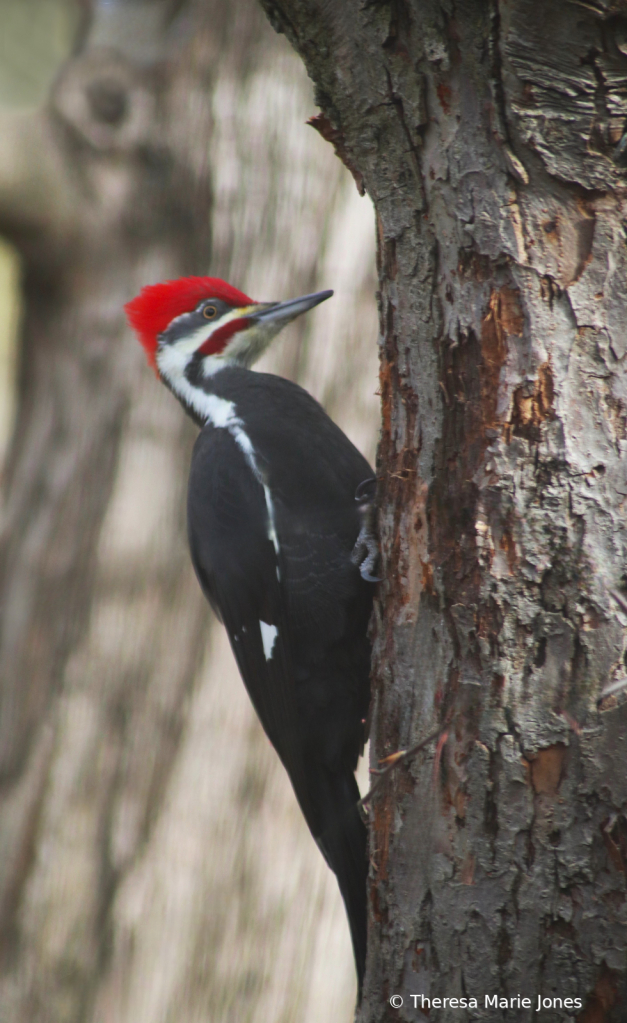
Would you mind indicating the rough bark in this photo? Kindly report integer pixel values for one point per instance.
(490, 138)
(153, 864)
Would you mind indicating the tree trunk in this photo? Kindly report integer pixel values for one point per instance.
(153, 864)
(490, 138)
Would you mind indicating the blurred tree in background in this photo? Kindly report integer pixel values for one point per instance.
(153, 862)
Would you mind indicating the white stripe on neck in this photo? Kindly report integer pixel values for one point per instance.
(222, 414)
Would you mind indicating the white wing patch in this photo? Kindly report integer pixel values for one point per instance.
(269, 634)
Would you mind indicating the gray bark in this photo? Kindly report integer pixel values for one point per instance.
(153, 863)
(490, 138)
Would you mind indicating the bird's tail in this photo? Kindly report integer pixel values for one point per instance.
(343, 842)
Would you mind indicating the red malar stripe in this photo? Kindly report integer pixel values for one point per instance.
(218, 340)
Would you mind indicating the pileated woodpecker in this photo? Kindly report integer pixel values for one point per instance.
(279, 508)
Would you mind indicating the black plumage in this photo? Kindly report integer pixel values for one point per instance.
(295, 575)
(282, 538)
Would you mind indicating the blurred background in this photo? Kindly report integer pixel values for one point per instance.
(154, 866)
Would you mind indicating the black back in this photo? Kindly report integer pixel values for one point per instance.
(312, 692)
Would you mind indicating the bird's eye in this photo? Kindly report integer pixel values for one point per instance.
(209, 312)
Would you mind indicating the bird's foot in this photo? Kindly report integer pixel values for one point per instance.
(366, 550)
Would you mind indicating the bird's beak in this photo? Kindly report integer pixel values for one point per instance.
(280, 313)
(261, 322)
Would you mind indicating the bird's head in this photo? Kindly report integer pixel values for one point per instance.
(205, 324)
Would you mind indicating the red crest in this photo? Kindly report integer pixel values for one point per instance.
(158, 304)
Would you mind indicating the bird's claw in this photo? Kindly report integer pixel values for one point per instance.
(366, 550)
(365, 492)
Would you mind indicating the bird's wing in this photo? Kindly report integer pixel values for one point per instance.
(239, 570)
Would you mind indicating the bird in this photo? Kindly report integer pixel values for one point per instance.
(280, 526)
